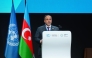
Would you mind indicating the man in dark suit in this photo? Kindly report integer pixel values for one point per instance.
(46, 27)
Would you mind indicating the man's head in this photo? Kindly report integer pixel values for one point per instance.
(48, 20)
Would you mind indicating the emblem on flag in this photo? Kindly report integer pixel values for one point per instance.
(26, 31)
(13, 35)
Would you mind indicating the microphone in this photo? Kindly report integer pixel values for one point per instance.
(60, 26)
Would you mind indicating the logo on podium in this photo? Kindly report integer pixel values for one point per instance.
(61, 35)
(65, 35)
(48, 35)
(54, 35)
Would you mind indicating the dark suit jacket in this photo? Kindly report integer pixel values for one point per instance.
(38, 35)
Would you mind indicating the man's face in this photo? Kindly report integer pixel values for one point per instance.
(48, 20)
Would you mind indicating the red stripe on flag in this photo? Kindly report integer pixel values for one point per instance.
(26, 34)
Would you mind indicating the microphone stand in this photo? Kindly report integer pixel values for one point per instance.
(60, 27)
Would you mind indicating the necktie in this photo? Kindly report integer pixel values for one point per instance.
(48, 28)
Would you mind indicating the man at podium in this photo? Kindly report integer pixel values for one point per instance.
(46, 27)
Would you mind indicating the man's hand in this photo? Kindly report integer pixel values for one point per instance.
(40, 41)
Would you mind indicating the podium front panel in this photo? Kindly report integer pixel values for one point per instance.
(56, 44)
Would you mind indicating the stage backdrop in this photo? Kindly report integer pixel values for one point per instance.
(48, 6)
(78, 24)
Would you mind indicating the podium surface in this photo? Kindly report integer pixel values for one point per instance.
(56, 44)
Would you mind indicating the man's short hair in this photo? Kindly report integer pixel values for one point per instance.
(47, 15)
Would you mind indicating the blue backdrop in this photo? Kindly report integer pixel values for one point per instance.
(48, 6)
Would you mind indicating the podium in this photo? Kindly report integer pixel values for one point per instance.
(56, 44)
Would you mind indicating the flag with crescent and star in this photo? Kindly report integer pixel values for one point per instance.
(12, 43)
(26, 46)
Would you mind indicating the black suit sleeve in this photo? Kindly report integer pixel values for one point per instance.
(37, 35)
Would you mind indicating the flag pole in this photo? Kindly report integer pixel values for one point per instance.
(12, 1)
(25, 2)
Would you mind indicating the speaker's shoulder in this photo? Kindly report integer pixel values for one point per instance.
(40, 27)
(54, 26)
